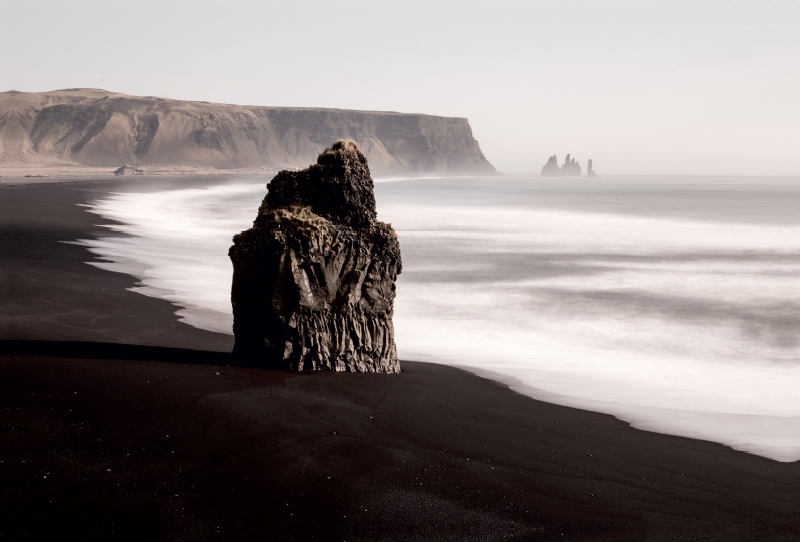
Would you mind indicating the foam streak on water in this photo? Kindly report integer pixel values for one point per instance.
(671, 307)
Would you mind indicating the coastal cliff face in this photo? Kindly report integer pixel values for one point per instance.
(314, 278)
(99, 128)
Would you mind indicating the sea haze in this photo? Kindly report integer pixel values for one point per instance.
(670, 302)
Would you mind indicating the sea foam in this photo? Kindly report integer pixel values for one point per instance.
(678, 325)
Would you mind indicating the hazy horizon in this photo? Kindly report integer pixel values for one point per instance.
(693, 88)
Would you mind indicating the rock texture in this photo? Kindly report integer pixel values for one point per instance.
(99, 128)
(589, 171)
(314, 278)
(551, 169)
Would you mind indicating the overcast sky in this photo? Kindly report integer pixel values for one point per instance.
(672, 86)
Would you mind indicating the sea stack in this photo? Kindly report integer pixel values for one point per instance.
(570, 167)
(589, 171)
(314, 278)
(551, 169)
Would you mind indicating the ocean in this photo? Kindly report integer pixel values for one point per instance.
(670, 302)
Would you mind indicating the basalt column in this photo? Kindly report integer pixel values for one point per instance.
(314, 278)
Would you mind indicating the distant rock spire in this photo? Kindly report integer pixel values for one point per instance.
(590, 172)
(570, 167)
(551, 169)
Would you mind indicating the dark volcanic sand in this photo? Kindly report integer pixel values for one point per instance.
(434, 453)
(48, 292)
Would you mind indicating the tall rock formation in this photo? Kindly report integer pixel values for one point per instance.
(551, 169)
(589, 171)
(94, 127)
(570, 167)
(314, 278)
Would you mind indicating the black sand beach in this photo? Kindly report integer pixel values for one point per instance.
(119, 422)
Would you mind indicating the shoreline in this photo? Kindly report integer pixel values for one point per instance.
(78, 173)
(69, 174)
(433, 453)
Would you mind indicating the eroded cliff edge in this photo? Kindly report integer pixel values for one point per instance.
(314, 278)
(99, 128)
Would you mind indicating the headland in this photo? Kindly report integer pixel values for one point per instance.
(94, 131)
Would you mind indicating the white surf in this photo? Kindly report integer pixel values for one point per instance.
(680, 318)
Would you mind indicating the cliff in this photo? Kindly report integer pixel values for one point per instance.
(99, 128)
(314, 278)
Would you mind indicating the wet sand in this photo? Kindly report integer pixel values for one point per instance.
(118, 422)
(48, 292)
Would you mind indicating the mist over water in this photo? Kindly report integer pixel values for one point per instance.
(670, 302)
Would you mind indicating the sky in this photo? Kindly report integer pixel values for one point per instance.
(709, 87)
